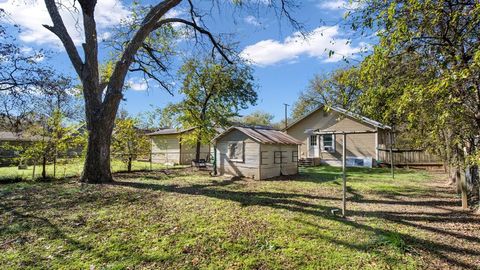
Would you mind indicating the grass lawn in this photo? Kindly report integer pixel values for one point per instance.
(185, 220)
(69, 168)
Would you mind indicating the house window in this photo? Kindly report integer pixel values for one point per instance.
(313, 140)
(294, 156)
(235, 151)
(328, 143)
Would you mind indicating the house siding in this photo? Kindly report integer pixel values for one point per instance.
(358, 145)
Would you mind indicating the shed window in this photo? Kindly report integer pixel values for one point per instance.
(328, 143)
(235, 151)
(264, 158)
(294, 156)
(277, 157)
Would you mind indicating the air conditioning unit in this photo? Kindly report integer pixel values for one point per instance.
(359, 162)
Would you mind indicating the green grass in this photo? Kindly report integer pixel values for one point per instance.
(372, 180)
(68, 168)
(194, 221)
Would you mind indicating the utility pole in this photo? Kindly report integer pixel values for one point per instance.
(286, 114)
(344, 175)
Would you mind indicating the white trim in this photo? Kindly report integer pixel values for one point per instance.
(322, 148)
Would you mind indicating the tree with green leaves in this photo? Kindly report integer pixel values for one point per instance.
(256, 118)
(339, 89)
(213, 91)
(102, 93)
(128, 141)
(424, 75)
(55, 139)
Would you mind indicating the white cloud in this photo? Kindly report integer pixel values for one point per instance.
(137, 84)
(317, 44)
(337, 5)
(30, 15)
(252, 20)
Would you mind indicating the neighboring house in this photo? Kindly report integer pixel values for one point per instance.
(256, 152)
(9, 143)
(362, 149)
(167, 147)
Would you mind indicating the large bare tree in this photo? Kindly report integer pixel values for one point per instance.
(102, 96)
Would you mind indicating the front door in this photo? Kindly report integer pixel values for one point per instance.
(313, 146)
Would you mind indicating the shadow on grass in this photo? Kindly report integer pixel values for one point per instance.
(293, 202)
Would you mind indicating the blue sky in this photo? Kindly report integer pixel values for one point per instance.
(283, 62)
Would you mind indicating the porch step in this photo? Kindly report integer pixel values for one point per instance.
(306, 162)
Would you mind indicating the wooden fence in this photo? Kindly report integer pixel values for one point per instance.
(405, 157)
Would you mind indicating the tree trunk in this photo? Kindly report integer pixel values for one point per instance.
(33, 172)
(462, 188)
(129, 168)
(55, 166)
(44, 165)
(97, 161)
(197, 151)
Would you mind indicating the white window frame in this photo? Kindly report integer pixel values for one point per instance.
(315, 141)
(332, 149)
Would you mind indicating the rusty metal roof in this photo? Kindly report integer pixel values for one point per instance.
(264, 135)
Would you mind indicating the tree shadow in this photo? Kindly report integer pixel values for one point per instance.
(296, 202)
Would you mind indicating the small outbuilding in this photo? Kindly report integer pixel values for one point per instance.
(256, 152)
(167, 147)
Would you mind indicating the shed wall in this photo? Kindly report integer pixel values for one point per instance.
(250, 165)
(167, 149)
(271, 167)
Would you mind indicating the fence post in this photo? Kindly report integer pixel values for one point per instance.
(392, 168)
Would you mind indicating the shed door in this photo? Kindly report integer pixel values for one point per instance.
(313, 146)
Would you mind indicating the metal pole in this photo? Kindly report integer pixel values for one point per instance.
(344, 175)
(392, 167)
(286, 115)
(215, 172)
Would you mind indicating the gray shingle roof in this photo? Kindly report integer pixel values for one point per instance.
(169, 131)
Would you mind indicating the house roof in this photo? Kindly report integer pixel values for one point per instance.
(169, 131)
(263, 135)
(344, 112)
(18, 137)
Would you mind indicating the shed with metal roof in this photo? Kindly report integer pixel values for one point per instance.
(256, 152)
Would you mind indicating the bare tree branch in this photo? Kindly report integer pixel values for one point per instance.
(217, 45)
(61, 32)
